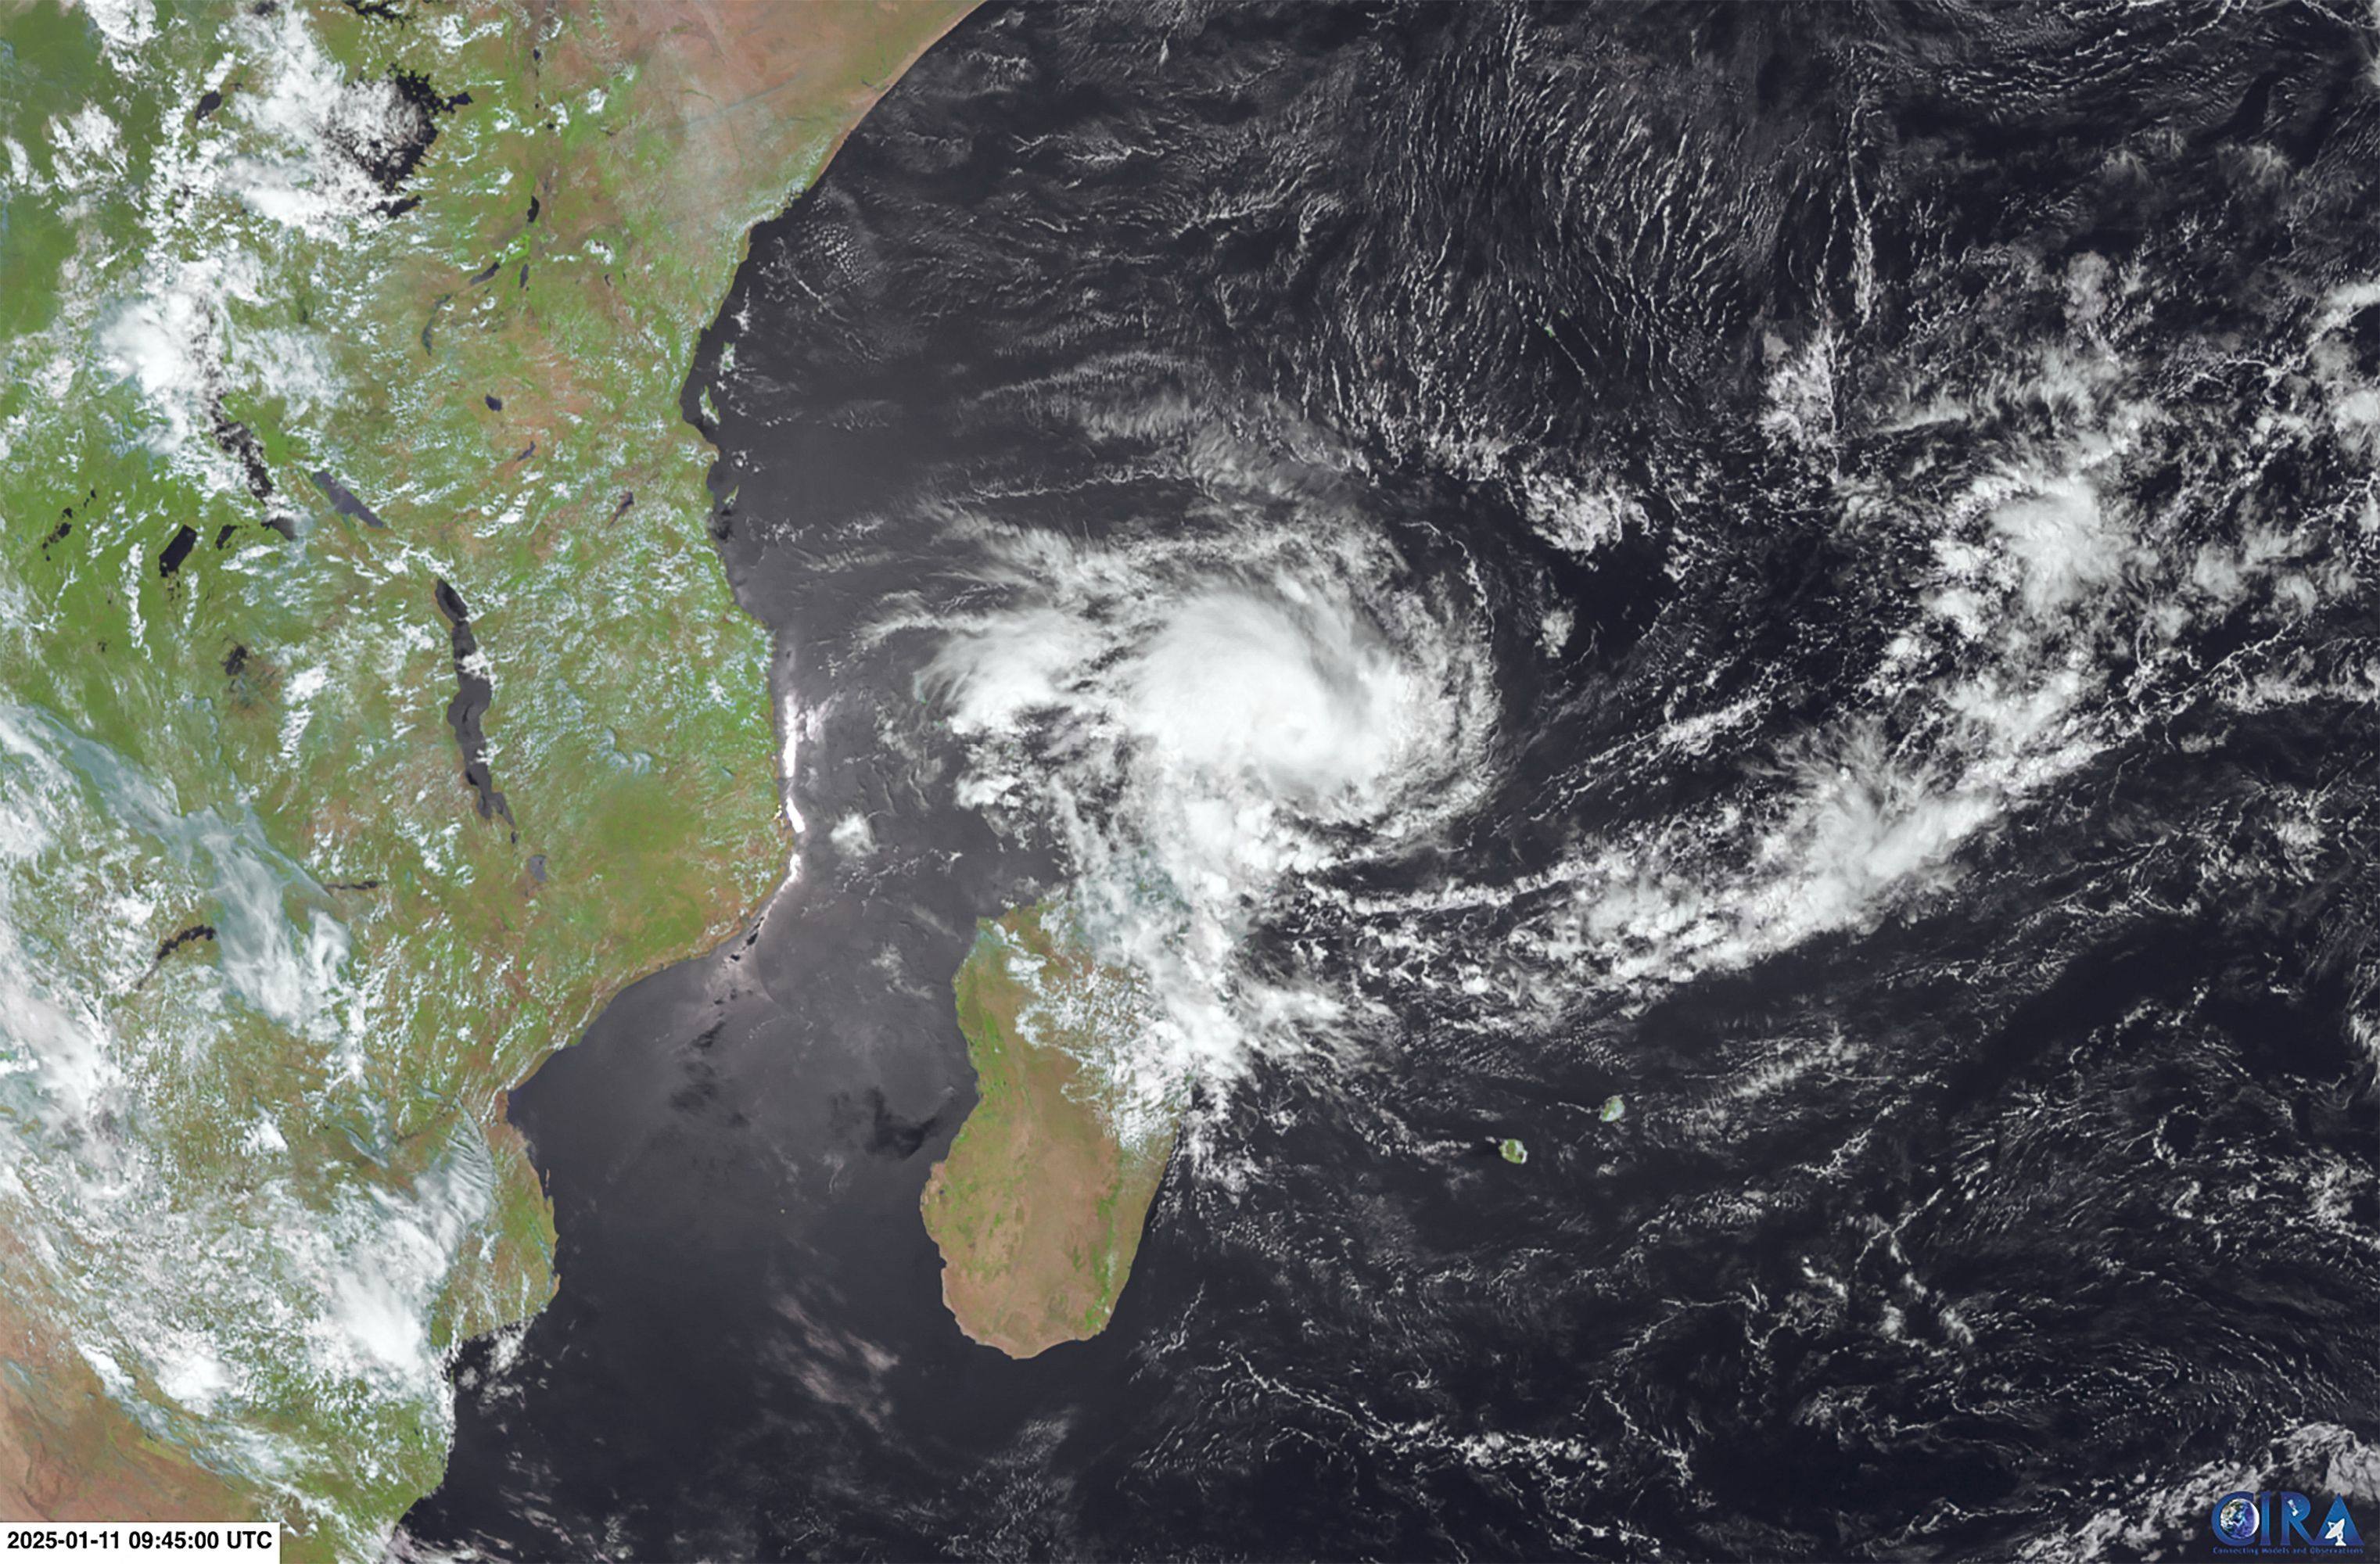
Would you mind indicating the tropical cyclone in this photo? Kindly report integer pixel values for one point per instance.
(1205, 718)
(318, 321)
(1038, 1208)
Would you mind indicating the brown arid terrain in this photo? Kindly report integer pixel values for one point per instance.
(753, 83)
(68, 1452)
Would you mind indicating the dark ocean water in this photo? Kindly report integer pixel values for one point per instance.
(1887, 496)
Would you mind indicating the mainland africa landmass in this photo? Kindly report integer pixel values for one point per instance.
(375, 703)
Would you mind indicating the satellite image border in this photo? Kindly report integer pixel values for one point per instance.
(1190, 779)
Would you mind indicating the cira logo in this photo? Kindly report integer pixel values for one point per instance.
(2274, 1524)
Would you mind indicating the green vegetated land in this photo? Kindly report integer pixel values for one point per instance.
(1040, 1206)
(373, 704)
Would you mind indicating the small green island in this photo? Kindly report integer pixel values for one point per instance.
(1039, 1207)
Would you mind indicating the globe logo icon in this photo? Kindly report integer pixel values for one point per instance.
(2235, 1519)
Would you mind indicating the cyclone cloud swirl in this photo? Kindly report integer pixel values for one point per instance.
(1805, 566)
